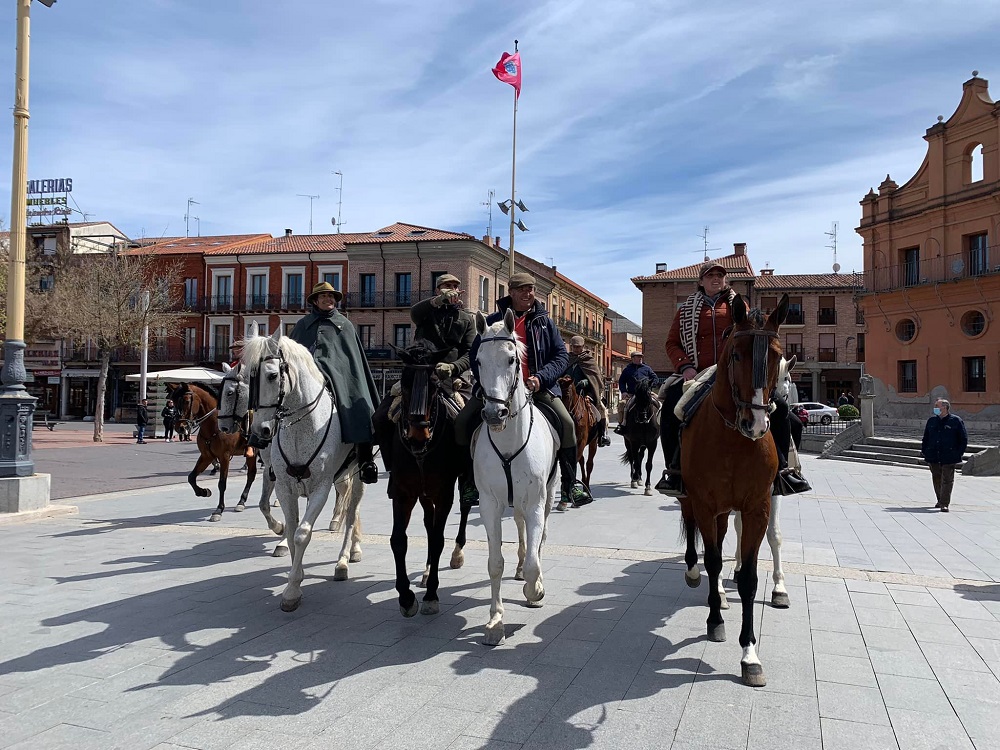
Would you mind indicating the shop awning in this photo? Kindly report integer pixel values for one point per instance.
(180, 375)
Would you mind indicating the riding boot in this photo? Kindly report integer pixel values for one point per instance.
(671, 483)
(572, 491)
(788, 481)
(603, 441)
(366, 463)
(468, 494)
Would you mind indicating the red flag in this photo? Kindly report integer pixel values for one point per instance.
(508, 70)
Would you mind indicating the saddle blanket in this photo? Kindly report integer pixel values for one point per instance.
(695, 391)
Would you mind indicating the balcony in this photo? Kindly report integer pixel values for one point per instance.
(794, 318)
(955, 267)
(826, 317)
(827, 355)
(355, 300)
(255, 303)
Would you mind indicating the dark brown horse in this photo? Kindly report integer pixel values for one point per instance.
(198, 408)
(729, 461)
(585, 418)
(642, 428)
(424, 468)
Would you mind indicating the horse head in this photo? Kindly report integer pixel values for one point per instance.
(750, 362)
(234, 398)
(498, 359)
(183, 400)
(784, 387)
(419, 393)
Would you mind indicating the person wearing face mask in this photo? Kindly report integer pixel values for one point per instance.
(335, 346)
(943, 447)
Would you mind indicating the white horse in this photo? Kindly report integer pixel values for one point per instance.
(779, 596)
(234, 403)
(296, 410)
(514, 460)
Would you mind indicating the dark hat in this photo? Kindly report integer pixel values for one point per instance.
(447, 278)
(710, 265)
(521, 279)
(324, 286)
(577, 341)
(636, 354)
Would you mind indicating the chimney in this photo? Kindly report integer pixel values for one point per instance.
(739, 248)
(661, 267)
(496, 242)
(486, 240)
(288, 232)
(767, 272)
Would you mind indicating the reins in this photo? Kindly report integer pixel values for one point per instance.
(761, 344)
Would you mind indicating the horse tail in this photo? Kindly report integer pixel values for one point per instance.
(626, 458)
(683, 534)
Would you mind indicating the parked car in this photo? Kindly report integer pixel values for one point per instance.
(801, 412)
(818, 413)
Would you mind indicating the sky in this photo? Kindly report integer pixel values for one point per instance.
(639, 123)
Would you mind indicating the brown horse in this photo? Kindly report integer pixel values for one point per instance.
(728, 461)
(585, 418)
(196, 407)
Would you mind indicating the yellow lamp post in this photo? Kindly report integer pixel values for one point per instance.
(22, 488)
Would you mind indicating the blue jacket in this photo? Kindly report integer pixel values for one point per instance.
(547, 355)
(631, 375)
(945, 440)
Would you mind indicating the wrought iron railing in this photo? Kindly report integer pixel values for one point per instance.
(826, 317)
(954, 267)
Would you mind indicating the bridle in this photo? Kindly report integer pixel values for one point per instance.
(247, 419)
(513, 384)
(423, 408)
(761, 347)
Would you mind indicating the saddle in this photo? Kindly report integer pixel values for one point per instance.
(452, 399)
(551, 415)
(695, 391)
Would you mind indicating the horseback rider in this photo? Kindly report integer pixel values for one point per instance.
(335, 346)
(695, 341)
(542, 367)
(448, 329)
(634, 371)
(587, 377)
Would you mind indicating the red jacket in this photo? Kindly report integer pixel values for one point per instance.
(711, 324)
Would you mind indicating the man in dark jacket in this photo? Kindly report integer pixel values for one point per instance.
(141, 420)
(582, 367)
(634, 371)
(943, 446)
(546, 362)
(337, 350)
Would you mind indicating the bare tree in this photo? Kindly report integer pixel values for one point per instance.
(102, 298)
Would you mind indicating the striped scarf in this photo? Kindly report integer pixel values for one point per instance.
(690, 313)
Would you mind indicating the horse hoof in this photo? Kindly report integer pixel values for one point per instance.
(430, 607)
(411, 611)
(215, 516)
(240, 507)
(780, 600)
(649, 491)
(340, 573)
(693, 580)
(635, 484)
(519, 574)
(355, 557)
(717, 633)
(753, 675)
(280, 551)
(457, 559)
(494, 635)
(290, 605)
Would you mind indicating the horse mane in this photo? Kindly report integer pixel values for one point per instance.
(211, 392)
(499, 330)
(297, 356)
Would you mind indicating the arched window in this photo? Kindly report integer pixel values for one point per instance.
(976, 163)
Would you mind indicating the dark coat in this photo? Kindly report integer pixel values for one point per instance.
(583, 366)
(632, 374)
(169, 414)
(446, 327)
(141, 415)
(547, 355)
(945, 440)
(337, 350)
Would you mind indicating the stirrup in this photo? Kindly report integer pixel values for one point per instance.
(469, 495)
(578, 495)
(369, 472)
(671, 484)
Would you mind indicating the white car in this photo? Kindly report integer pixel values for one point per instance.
(819, 413)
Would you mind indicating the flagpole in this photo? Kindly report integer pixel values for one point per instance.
(513, 170)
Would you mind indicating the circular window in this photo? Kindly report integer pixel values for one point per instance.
(973, 323)
(906, 329)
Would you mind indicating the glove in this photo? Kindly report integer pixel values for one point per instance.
(447, 297)
(444, 370)
(582, 386)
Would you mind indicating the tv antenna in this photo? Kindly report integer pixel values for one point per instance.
(188, 217)
(311, 199)
(706, 250)
(340, 200)
(832, 234)
(489, 203)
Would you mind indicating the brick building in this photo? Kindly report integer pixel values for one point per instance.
(932, 270)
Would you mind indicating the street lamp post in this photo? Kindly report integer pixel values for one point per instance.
(21, 488)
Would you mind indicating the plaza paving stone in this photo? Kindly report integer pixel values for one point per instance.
(138, 624)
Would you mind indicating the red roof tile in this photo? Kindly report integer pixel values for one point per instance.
(198, 245)
(809, 281)
(400, 232)
(737, 266)
(296, 243)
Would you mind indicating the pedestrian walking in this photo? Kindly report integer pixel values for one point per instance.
(141, 420)
(169, 414)
(944, 444)
(843, 400)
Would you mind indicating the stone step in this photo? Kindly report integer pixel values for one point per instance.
(887, 449)
(911, 443)
(886, 457)
(879, 462)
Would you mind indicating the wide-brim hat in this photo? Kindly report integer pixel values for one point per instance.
(521, 279)
(447, 278)
(324, 286)
(577, 341)
(708, 266)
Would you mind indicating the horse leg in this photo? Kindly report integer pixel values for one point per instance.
(428, 507)
(292, 596)
(200, 466)
(713, 566)
(276, 526)
(692, 576)
(534, 589)
(223, 478)
(458, 554)
(251, 475)
(591, 452)
(721, 527)
(348, 500)
(435, 544)
(401, 510)
(754, 528)
(779, 596)
(649, 468)
(491, 512)
(522, 542)
(290, 510)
